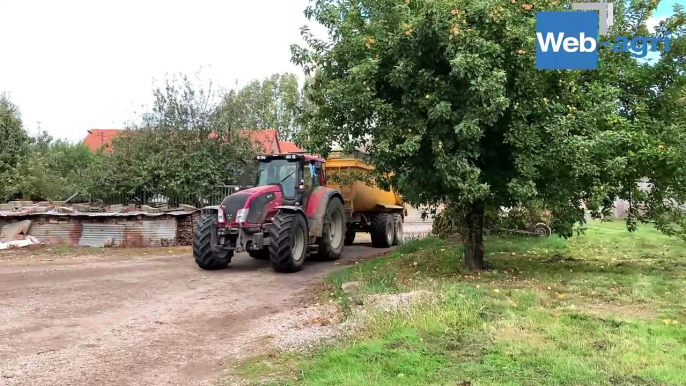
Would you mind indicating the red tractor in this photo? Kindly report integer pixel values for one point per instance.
(288, 215)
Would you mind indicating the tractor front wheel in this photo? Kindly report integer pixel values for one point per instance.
(205, 258)
(333, 236)
(288, 242)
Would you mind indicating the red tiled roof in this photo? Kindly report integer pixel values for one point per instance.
(289, 147)
(101, 137)
(97, 138)
(265, 138)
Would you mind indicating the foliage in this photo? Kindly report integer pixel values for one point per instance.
(14, 145)
(69, 161)
(604, 308)
(179, 146)
(268, 104)
(524, 217)
(447, 100)
(36, 168)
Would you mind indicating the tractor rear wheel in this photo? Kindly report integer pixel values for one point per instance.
(382, 230)
(288, 242)
(333, 235)
(205, 258)
(349, 237)
(262, 254)
(398, 236)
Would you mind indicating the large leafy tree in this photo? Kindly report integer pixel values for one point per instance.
(271, 103)
(24, 170)
(447, 100)
(14, 145)
(179, 146)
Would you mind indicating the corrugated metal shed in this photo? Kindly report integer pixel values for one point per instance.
(67, 233)
(95, 214)
(134, 230)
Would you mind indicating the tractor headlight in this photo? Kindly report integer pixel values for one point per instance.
(242, 215)
(220, 216)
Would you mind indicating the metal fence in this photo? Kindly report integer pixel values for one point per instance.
(159, 199)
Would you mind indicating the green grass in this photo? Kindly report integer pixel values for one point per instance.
(605, 308)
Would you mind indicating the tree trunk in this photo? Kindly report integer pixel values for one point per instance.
(474, 242)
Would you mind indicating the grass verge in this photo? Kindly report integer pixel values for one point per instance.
(606, 308)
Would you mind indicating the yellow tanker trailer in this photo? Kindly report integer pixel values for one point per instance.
(367, 209)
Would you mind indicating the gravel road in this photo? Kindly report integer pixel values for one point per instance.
(140, 321)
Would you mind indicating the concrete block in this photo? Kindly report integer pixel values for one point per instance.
(149, 209)
(6, 207)
(65, 209)
(188, 208)
(81, 208)
(40, 209)
(118, 208)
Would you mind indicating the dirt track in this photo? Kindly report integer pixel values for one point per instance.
(153, 321)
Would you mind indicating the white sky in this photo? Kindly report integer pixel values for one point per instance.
(75, 65)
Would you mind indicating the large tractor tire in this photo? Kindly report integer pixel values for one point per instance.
(398, 235)
(349, 237)
(334, 233)
(288, 242)
(262, 254)
(382, 230)
(205, 258)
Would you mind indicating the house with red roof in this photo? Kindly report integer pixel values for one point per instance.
(267, 141)
(98, 138)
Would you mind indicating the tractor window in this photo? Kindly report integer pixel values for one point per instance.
(279, 171)
(312, 174)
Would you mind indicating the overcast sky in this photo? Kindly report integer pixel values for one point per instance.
(74, 65)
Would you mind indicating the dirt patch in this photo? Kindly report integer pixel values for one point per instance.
(558, 258)
(631, 311)
(68, 254)
(112, 319)
(508, 330)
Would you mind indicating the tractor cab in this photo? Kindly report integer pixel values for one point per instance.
(296, 175)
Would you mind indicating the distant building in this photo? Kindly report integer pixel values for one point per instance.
(267, 141)
(98, 138)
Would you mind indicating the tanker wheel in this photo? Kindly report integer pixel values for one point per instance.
(541, 230)
(334, 233)
(287, 242)
(349, 237)
(398, 235)
(262, 254)
(382, 230)
(205, 258)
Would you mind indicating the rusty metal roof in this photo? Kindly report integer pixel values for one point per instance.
(20, 213)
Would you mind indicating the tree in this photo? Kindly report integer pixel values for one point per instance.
(33, 168)
(268, 104)
(446, 98)
(179, 146)
(14, 145)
